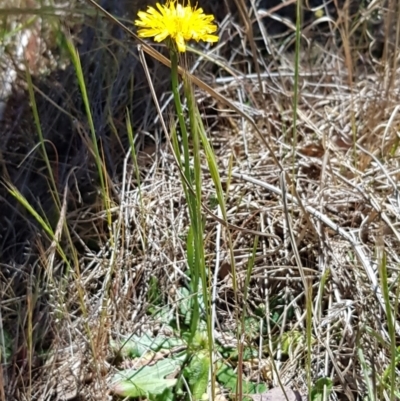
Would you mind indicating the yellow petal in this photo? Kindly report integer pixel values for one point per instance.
(180, 23)
(180, 43)
(161, 36)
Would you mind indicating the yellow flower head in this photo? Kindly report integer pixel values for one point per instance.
(180, 23)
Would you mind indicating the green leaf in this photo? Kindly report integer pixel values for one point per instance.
(163, 315)
(252, 327)
(228, 378)
(185, 304)
(197, 374)
(154, 294)
(290, 340)
(6, 347)
(200, 339)
(213, 201)
(135, 346)
(190, 251)
(317, 392)
(231, 353)
(149, 381)
(166, 395)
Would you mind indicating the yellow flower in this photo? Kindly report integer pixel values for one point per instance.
(180, 23)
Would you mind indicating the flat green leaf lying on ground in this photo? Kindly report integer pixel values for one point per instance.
(147, 382)
(136, 346)
(317, 392)
(228, 378)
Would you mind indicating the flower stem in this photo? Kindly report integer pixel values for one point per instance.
(179, 110)
(192, 199)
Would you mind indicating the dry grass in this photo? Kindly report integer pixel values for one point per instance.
(328, 210)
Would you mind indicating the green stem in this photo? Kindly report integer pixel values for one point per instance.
(200, 263)
(190, 197)
(179, 110)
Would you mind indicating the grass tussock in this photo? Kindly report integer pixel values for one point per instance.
(298, 209)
